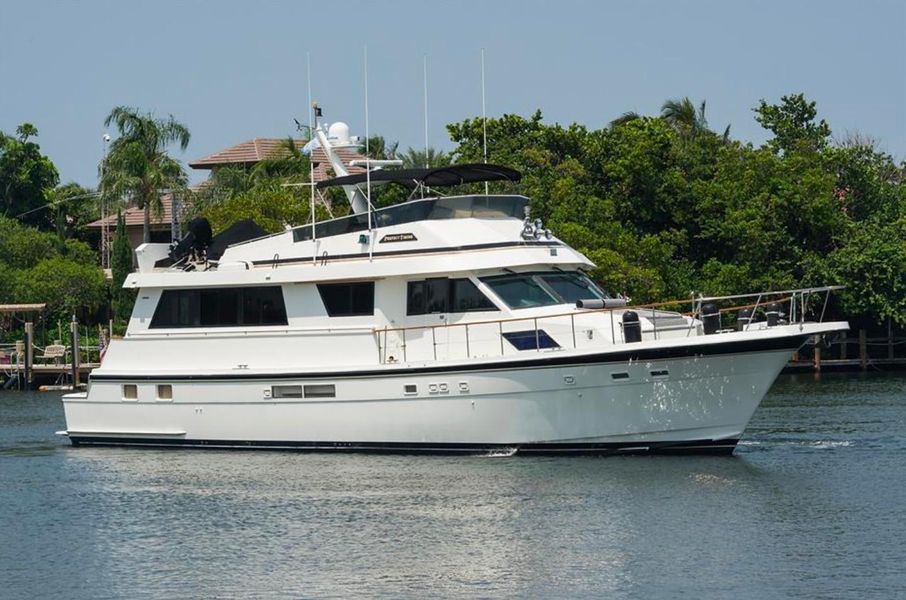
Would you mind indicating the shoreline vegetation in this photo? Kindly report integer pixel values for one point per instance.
(663, 204)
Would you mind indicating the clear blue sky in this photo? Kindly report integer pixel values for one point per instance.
(236, 70)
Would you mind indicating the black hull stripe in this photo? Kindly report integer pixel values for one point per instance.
(407, 252)
(789, 343)
(725, 446)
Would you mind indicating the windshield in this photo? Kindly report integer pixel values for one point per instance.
(527, 290)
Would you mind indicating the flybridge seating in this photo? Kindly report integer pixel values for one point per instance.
(428, 209)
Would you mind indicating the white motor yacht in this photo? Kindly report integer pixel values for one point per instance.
(441, 324)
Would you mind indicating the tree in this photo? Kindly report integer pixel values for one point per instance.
(138, 166)
(793, 124)
(36, 267)
(120, 267)
(71, 207)
(380, 149)
(420, 159)
(26, 176)
(683, 116)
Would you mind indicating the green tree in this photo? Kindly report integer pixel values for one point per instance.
(26, 176)
(138, 166)
(420, 159)
(120, 267)
(66, 286)
(793, 124)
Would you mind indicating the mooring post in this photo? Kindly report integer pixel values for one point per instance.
(863, 350)
(29, 353)
(889, 338)
(74, 336)
(817, 359)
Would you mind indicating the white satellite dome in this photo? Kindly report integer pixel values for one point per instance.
(338, 133)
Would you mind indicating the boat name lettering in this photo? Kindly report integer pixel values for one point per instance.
(398, 237)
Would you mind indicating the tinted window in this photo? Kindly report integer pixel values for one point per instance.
(572, 286)
(467, 297)
(348, 299)
(220, 307)
(445, 295)
(520, 291)
(419, 210)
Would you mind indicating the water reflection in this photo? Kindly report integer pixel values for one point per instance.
(811, 505)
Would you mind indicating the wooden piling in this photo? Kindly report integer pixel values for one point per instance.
(889, 338)
(74, 337)
(29, 353)
(817, 358)
(863, 350)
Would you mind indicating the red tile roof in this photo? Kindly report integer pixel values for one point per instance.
(246, 153)
(136, 216)
(258, 149)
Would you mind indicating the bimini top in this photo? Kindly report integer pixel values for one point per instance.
(442, 176)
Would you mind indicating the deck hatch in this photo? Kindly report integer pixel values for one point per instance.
(530, 339)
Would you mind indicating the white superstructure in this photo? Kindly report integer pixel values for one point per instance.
(440, 324)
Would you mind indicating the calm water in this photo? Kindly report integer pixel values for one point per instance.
(812, 506)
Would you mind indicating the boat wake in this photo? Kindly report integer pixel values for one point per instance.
(502, 452)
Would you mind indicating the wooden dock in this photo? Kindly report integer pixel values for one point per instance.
(853, 353)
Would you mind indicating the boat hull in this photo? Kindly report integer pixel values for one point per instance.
(698, 403)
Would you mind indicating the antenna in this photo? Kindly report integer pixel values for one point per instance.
(311, 165)
(367, 148)
(425, 80)
(484, 121)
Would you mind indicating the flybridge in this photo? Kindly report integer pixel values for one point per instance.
(429, 209)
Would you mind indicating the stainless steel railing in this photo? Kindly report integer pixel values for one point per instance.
(436, 342)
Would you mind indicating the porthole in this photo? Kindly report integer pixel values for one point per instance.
(130, 391)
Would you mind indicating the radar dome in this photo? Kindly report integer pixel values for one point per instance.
(338, 133)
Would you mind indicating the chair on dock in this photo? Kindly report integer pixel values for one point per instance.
(54, 352)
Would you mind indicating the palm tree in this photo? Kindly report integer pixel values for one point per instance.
(138, 166)
(380, 149)
(686, 119)
(418, 159)
(683, 116)
(626, 117)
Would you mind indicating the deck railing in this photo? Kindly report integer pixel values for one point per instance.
(479, 339)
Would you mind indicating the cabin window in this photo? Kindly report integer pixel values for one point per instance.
(572, 286)
(528, 290)
(443, 295)
(220, 307)
(286, 391)
(130, 391)
(320, 391)
(520, 291)
(165, 392)
(355, 299)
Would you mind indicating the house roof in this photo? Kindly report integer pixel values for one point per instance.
(135, 217)
(258, 149)
(246, 153)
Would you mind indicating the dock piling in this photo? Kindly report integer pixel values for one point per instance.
(74, 336)
(29, 353)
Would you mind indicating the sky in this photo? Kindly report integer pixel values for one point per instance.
(235, 70)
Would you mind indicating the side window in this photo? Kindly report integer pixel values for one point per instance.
(220, 307)
(415, 298)
(437, 295)
(445, 295)
(467, 297)
(348, 299)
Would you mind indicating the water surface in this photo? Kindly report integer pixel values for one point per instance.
(813, 505)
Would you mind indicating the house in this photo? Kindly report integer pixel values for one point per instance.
(246, 154)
